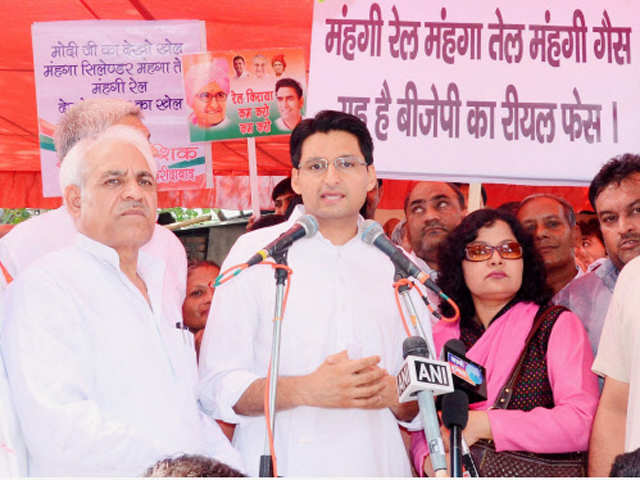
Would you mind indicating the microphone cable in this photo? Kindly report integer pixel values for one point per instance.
(223, 278)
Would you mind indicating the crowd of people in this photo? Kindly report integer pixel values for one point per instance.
(119, 359)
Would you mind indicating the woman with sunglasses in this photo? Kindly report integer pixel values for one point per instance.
(489, 267)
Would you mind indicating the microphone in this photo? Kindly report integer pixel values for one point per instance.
(373, 234)
(305, 226)
(419, 372)
(468, 376)
(417, 347)
(455, 414)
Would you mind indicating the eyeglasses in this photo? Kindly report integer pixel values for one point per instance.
(480, 251)
(343, 164)
(206, 97)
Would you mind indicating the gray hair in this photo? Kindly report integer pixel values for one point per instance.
(569, 212)
(89, 118)
(72, 170)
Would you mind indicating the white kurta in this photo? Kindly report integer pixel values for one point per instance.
(341, 298)
(619, 350)
(54, 230)
(101, 384)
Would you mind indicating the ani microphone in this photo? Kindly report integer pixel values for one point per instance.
(455, 414)
(305, 226)
(417, 347)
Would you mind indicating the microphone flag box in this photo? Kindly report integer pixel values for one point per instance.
(420, 373)
(467, 375)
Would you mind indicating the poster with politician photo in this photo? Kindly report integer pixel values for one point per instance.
(244, 93)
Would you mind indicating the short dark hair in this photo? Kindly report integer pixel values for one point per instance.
(567, 209)
(614, 171)
(238, 57)
(293, 203)
(326, 121)
(454, 186)
(291, 83)
(191, 466)
(590, 225)
(281, 188)
(451, 254)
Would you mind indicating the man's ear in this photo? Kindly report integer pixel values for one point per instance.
(73, 200)
(294, 180)
(371, 171)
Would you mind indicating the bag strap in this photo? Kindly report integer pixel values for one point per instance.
(504, 397)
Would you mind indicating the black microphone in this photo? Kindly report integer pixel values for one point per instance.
(373, 234)
(305, 226)
(455, 414)
(468, 376)
(417, 346)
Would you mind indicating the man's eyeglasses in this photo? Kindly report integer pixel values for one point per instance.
(206, 97)
(480, 251)
(344, 164)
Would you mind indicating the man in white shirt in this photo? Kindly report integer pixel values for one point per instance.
(342, 335)
(101, 382)
(615, 194)
(54, 230)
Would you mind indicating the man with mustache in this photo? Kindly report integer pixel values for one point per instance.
(103, 378)
(54, 230)
(432, 209)
(551, 221)
(615, 195)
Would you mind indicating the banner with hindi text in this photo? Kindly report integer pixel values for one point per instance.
(138, 61)
(506, 92)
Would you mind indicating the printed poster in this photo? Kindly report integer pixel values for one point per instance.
(244, 93)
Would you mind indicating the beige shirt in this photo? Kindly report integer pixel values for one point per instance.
(619, 350)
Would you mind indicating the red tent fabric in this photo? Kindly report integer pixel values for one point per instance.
(230, 24)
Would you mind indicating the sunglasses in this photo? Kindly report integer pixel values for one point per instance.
(480, 251)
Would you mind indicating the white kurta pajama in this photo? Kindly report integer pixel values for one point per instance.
(101, 384)
(341, 298)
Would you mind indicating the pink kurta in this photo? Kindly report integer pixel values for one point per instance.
(563, 428)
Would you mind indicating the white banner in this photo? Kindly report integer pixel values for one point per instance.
(138, 61)
(507, 92)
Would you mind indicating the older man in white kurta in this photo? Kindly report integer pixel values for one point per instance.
(341, 333)
(102, 384)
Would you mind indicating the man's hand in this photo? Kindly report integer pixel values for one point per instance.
(340, 382)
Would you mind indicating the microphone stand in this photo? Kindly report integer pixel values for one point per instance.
(455, 451)
(281, 275)
(427, 405)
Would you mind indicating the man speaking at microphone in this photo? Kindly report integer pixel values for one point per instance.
(337, 405)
